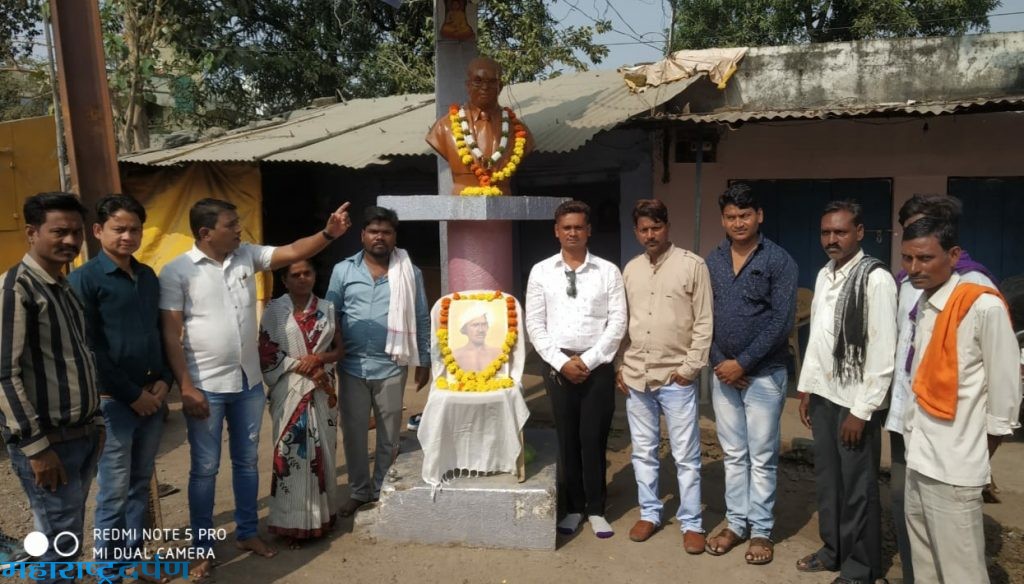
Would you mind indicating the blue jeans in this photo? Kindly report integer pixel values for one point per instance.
(125, 470)
(62, 510)
(679, 405)
(244, 413)
(748, 430)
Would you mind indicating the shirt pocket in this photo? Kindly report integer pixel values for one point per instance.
(243, 286)
(756, 290)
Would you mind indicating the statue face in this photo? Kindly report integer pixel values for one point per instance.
(483, 85)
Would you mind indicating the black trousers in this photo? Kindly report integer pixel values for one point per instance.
(846, 480)
(583, 416)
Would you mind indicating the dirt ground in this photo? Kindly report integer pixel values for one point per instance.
(581, 558)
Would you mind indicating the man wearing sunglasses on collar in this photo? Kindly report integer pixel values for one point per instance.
(576, 317)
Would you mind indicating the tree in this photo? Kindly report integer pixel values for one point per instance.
(235, 60)
(18, 29)
(269, 56)
(724, 23)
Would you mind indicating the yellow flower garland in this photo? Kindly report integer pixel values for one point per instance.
(486, 379)
(481, 167)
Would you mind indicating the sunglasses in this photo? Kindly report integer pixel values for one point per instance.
(570, 290)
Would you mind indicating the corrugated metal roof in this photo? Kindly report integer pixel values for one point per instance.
(1008, 103)
(563, 113)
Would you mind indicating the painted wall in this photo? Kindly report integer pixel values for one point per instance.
(28, 165)
(918, 154)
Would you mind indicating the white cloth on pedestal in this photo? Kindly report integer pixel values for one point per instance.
(476, 432)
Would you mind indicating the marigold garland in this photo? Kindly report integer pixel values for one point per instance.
(486, 379)
(473, 157)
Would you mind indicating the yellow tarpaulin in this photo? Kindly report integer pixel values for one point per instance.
(169, 193)
(718, 64)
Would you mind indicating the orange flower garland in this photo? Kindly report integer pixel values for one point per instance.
(486, 379)
(473, 158)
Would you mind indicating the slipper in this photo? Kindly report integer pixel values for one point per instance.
(763, 543)
(812, 563)
(165, 490)
(714, 545)
(350, 507)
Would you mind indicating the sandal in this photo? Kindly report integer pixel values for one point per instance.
(715, 547)
(763, 543)
(812, 563)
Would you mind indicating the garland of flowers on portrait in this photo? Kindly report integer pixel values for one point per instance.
(473, 157)
(486, 379)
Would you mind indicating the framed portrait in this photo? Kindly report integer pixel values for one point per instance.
(477, 330)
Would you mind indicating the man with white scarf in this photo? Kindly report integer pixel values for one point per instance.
(385, 326)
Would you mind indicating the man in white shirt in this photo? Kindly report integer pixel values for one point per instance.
(208, 313)
(844, 381)
(947, 209)
(575, 317)
(966, 387)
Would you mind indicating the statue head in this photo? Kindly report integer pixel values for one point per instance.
(483, 82)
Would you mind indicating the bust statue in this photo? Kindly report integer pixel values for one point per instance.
(482, 142)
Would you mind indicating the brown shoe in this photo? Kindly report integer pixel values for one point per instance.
(693, 542)
(642, 530)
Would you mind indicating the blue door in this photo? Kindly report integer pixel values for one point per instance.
(990, 228)
(792, 217)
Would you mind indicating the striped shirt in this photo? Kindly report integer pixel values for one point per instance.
(47, 372)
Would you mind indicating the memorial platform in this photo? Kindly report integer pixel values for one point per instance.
(453, 208)
(489, 512)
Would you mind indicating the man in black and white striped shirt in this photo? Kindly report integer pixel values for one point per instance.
(48, 393)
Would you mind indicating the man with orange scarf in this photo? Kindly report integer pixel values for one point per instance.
(967, 396)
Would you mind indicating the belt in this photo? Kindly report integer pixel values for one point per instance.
(572, 353)
(73, 433)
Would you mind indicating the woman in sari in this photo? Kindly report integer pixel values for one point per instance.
(299, 344)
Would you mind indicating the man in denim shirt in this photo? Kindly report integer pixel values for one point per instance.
(754, 285)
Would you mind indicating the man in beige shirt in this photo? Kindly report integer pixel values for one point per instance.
(668, 291)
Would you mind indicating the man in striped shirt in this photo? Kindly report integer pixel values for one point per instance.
(48, 396)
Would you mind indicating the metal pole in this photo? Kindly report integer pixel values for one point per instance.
(697, 197)
(58, 114)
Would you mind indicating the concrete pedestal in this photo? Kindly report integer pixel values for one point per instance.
(491, 512)
(476, 241)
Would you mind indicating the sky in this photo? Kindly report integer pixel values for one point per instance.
(639, 25)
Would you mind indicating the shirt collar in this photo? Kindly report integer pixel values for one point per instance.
(108, 264)
(560, 263)
(726, 244)
(38, 270)
(197, 256)
(941, 296)
(661, 259)
(473, 113)
(845, 270)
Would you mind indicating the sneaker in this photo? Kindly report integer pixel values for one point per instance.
(11, 551)
(414, 422)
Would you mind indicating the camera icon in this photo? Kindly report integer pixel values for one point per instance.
(65, 544)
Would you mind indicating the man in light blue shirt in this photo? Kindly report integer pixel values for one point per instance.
(372, 374)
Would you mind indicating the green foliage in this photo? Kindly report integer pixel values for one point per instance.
(24, 93)
(268, 56)
(19, 28)
(724, 23)
(223, 62)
